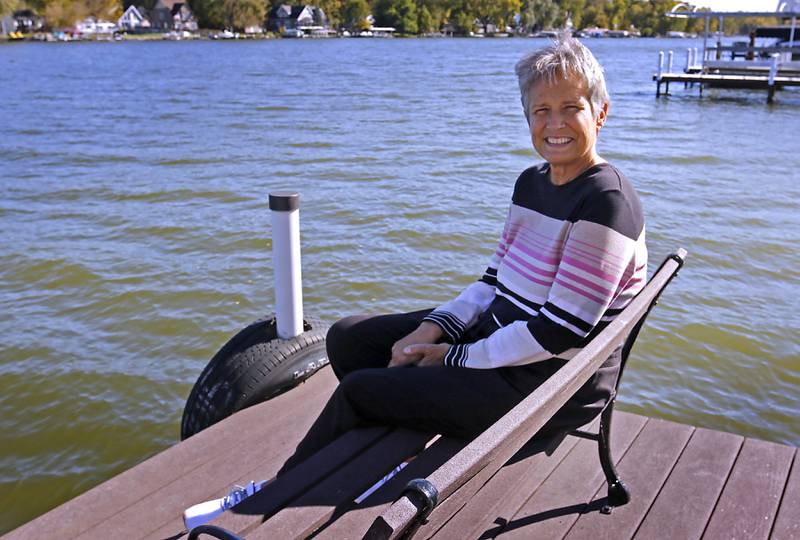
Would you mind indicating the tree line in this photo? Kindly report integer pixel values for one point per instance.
(413, 17)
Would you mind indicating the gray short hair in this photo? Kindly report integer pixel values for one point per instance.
(565, 57)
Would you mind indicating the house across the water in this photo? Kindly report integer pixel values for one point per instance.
(133, 20)
(297, 21)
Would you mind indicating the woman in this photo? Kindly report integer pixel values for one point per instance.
(571, 257)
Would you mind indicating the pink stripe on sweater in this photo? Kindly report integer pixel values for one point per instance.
(552, 244)
(593, 270)
(606, 292)
(527, 276)
(531, 267)
(601, 302)
(606, 255)
(538, 255)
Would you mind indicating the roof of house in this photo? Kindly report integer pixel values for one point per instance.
(286, 11)
(167, 4)
(29, 13)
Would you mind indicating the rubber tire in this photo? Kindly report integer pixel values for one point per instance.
(254, 366)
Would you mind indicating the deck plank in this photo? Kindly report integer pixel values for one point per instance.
(356, 520)
(105, 502)
(509, 488)
(749, 501)
(644, 468)
(787, 524)
(554, 507)
(289, 486)
(213, 479)
(311, 510)
(687, 499)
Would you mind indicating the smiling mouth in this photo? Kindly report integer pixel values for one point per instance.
(557, 141)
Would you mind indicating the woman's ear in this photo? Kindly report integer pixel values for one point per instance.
(602, 115)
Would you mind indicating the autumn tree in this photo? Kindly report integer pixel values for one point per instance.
(243, 13)
(425, 23)
(234, 14)
(497, 12)
(619, 9)
(573, 9)
(354, 14)
(8, 6)
(64, 13)
(332, 10)
(539, 14)
(400, 14)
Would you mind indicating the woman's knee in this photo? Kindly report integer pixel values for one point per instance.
(342, 345)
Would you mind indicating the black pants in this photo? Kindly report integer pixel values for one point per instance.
(459, 402)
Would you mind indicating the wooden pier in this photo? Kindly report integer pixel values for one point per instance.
(765, 67)
(686, 482)
(726, 80)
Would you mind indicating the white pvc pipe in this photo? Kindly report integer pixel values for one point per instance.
(773, 69)
(688, 60)
(285, 210)
(660, 65)
(669, 62)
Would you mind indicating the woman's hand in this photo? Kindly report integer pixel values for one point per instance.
(428, 354)
(426, 333)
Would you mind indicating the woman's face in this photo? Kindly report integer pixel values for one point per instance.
(562, 124)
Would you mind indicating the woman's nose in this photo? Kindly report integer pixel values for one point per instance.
(555, 119)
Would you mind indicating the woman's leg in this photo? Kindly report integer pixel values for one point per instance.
(457, 402)
(364, 341)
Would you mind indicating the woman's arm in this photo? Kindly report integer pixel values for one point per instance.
(455, 316)
(600, 268)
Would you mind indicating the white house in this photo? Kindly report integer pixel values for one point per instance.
(132, 20)
(287, 17)
(90, 25)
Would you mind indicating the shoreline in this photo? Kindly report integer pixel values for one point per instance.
(214, 36)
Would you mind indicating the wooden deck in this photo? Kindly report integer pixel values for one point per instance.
(686, 482)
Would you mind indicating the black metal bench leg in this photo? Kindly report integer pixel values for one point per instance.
(618, 493)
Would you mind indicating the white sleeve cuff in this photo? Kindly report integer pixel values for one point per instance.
(512, 345)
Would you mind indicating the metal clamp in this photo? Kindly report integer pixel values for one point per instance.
(424, 495)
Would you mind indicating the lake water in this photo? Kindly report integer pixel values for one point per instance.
(135, 230)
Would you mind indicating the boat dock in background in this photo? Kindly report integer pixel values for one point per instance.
(741, 65)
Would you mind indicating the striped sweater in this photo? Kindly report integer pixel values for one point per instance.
(571, 257)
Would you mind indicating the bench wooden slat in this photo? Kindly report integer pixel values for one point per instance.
(787, 524)
(353, 523)
(509, 488)
(250, 513)
(240, 433)
(311, 510)
(645, 467)
(501, 441)
(553, 508)
(749, 501)
(686, 500)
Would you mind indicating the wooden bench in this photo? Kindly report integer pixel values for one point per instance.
(319, 498)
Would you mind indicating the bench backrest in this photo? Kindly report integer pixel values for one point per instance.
(471, 467)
